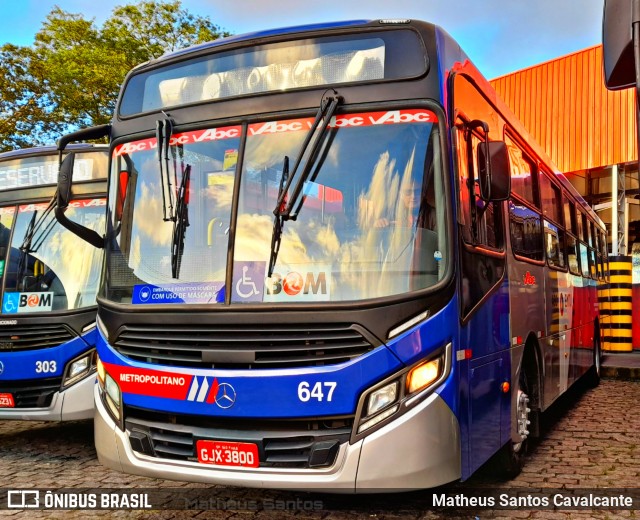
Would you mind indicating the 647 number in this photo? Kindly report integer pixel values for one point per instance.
(321, 391)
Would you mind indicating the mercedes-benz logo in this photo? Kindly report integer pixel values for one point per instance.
(226, 396)
(2, 369)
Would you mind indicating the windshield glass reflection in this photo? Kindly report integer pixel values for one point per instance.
(49, 268)
(371, 220)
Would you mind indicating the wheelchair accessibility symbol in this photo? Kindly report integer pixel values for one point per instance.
(249, 280)
(10, 305)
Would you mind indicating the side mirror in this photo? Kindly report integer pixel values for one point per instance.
(617, 42)
(494, 171)
(63, 198)
(65, 180)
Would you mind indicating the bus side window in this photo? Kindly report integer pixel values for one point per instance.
(572, 254)
(554, 245)
(481, 223)
(487, 229)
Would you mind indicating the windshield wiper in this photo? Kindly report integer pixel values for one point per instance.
(34, 228)
(278, 221)
(180, 223)
(289, 204)
(164, 131)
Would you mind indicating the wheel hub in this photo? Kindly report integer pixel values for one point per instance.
(522, 417)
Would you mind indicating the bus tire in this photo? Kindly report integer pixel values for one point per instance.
(512, 455)
(592, 377)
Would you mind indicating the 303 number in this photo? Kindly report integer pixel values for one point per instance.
(45, 367)
(320, 391)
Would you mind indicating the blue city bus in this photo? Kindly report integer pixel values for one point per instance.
(334, 261)
(50, 279)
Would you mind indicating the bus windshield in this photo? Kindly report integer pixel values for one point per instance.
(371, 221)
(48, 267)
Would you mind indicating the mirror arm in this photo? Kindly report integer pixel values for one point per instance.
(88, 235)
(63, 198)
(86, 134)
(477, 123)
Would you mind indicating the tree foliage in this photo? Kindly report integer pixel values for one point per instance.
(70, 77)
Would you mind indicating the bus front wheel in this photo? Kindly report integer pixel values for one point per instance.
(512, 455)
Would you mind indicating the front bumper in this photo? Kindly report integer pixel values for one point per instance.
(420, 449)
(72, 404)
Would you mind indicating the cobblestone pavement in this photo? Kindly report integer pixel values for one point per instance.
(591, 440)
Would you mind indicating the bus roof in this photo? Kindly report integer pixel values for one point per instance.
(264, 34)
(50, 149)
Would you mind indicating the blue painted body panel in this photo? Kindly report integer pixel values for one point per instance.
(21, 365)
(265, 393)
(485, 418)
(273, 393)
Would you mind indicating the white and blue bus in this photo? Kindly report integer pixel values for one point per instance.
(50, 279)
(334, 261)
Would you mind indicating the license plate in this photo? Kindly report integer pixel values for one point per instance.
(226, 453)
(6, 401)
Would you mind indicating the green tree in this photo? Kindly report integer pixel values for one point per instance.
(23, 120)
(71, 76)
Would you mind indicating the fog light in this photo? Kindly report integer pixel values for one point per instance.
(424, 375)
(382, 398)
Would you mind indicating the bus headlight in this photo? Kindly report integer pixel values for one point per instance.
(112, 397)
(423, 375)
(399, 393)
(379, 401)
(79, 368)
(110, 394)
(101, 372)
(382, 397)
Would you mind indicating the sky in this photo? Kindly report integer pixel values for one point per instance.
(500, 36)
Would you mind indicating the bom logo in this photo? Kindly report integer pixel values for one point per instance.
(36, 300)
(296, 285)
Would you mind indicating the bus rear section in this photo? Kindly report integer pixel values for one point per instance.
(49, 285)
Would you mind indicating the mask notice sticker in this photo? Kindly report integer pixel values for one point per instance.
(197, 292)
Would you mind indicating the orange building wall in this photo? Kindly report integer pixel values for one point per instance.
(566, 107)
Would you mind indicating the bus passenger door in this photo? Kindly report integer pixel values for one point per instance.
(483, 354)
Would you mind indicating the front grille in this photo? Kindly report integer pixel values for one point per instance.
(32, 337)
(36, 393)
(243, 346)
(281, 444)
